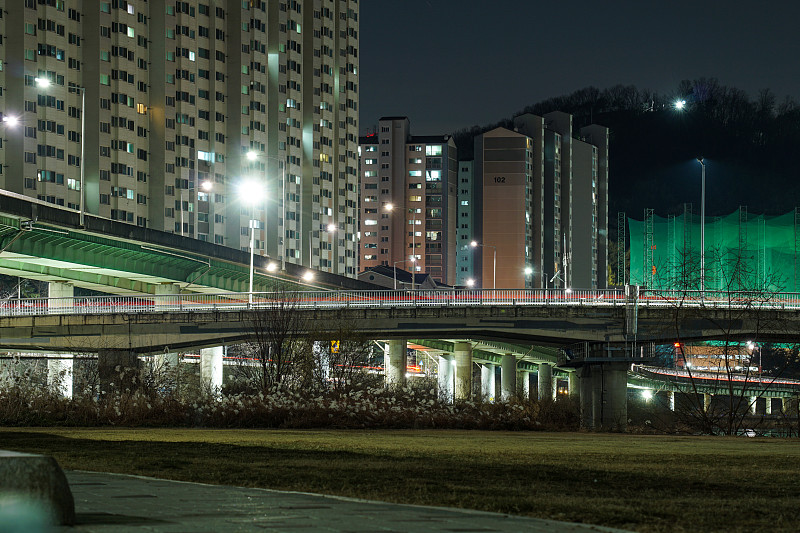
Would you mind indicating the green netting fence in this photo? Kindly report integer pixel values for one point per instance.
(742, 252)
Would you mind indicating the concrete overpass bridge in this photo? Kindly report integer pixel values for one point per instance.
(43, 242)
(520, 330)
(170, 293)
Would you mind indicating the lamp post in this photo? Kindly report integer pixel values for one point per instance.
(702, 225)
(44, 83)
(251, 192)
(413, 258)
(475, 244)
(252, 155)
(330, 228)
(394, 267)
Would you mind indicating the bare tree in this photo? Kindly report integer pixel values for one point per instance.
(741, 296)
(278, 345)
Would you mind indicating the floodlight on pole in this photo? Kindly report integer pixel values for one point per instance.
(702, 224)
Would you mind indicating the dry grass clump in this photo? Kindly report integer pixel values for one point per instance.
(177, 401)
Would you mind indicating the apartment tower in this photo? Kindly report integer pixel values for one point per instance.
(185, 103)
(408, 200)
(541, 204)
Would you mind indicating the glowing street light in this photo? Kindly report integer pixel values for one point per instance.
(475, 244)
(680, 105)
(11, 121)
(251, 192)
(308, 276)
(394, 267)
(44, 83)
(252, 155)
(470, 283)
(330, 228)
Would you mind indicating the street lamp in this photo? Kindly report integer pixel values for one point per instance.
(680, 104)
(252, 155)
(251, 192)
(413, 258)
(470, 283)
(475, 244)
(45, 83)
(394, 267)
(330, 228)
(308, 276)
(702, 225)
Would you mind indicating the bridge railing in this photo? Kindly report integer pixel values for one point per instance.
(147, 303)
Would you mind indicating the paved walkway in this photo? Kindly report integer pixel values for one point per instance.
(119, 503)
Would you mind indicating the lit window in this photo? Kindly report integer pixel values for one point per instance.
(369, 222)
(433, 150)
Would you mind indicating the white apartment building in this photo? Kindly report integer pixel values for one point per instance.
(186, 101)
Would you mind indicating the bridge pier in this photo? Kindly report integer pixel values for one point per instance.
(754, 405)
(508, 376)
(463, 358)
(604, 396)
(785, 405)
(60, 373)
(545, 376)
(165, 289)
(523, 384)
(671, 397)
(211, 368)
(447, 374)
(118, 370)
(574, 385)
(166, 362)
(488, 383)
(768, 406)
(706, 402)
(60, 289)
(395, 361)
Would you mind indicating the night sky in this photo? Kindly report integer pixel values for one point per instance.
(448, 64)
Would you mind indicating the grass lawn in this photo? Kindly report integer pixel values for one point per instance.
(642, 483)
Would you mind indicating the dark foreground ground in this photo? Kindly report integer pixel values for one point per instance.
(642, 483)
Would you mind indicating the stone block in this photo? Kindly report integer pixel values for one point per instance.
(27, 479)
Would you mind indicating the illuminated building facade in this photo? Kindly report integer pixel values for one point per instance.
(408, 201)
(184, 101)
(541, 204)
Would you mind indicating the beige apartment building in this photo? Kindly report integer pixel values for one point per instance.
(408, 201)
(185, 101)
(540, 204)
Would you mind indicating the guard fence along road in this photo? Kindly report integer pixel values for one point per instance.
(223, 301)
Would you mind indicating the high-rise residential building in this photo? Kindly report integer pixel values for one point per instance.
(185, 102)
(408, 200)
(464, 231)
(541, 204)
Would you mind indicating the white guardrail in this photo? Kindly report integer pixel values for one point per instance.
(147, 303)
